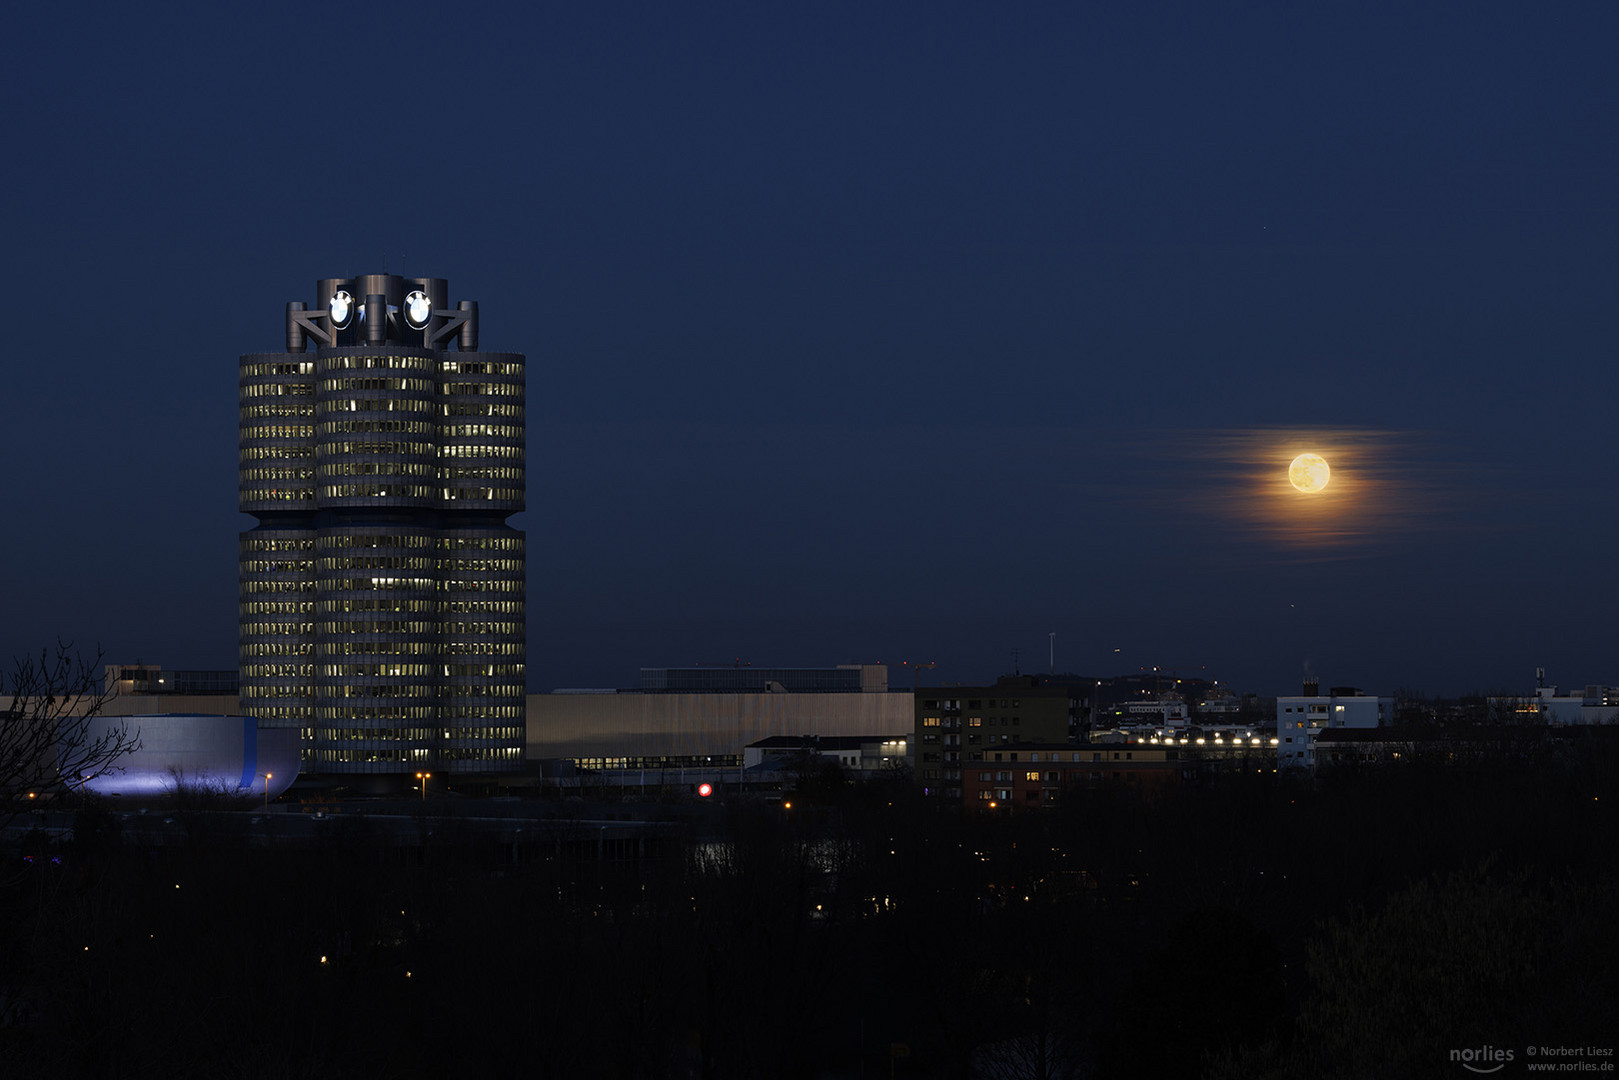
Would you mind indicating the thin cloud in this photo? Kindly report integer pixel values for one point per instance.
(1387, 486)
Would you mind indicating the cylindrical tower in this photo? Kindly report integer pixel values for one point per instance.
(276, 601)
(481, 646)
(481, 401)
(383, 592)
(275, 454)
(376, 428)
(375, 647)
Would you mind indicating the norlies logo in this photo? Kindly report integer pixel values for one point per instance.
(1484, 1059)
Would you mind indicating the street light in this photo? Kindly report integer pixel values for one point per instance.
(424, 777)
(267, 790)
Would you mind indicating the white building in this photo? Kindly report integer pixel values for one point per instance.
(1300, 719)
(1168, 711)
(1593, 705)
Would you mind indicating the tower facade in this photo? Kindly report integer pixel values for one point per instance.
(381, 595)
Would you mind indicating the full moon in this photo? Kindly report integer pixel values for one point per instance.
(1309, 472)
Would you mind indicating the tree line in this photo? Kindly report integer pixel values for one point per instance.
(1360, 924)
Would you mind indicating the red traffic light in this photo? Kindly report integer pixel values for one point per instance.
(704, 790)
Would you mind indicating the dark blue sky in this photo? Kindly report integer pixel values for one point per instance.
(863, 332)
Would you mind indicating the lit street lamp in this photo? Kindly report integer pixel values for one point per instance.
(267, 790)
(423, 778)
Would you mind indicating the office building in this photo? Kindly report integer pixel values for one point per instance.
(961, 728)
(152, 680)
(382, 590)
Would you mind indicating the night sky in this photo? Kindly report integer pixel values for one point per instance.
(863, 332)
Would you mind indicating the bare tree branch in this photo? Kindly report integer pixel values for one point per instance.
(47, 744)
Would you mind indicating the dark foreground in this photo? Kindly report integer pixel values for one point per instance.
(1365, 924)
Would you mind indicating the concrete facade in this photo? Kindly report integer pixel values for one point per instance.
(629, 729)
(1300, 719)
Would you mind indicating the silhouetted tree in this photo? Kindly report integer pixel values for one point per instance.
(48, 732)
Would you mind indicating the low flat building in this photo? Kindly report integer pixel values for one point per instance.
(865, 756)
(707, 722)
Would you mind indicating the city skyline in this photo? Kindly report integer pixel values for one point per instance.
(857, 336)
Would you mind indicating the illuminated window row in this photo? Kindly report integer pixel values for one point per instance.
(419, 386)
(276, 408)
(483, 607)
(380, 757)
(481, 367)
(277, 607)
(373, 627)
(288, 494)
(683, 761)
(447, 650)
(413, 584)
(253, 542)
(376, 540)
(377, 626)
(470, 564)
(462, 585)
(472, 408)
(375, 671)
(298, 692)
(482, 671)
(373, 426)
(486, 494)
(394, 604)
(480, 450)
(274, 629)
(255, 587)
(375, 562)
(285, 472)
(378, 690)
(283, 565)
(372, 449)
(478, 389)
(494, 629)
(415, 735)
(482, 753)
(367, 584)
(370, 405)
(277, 671)
(375, 491)
(375, 363)
(256, 390)
(482, 431)
(491, 690)
(330, 469)
(450, 650)
(278, 431)
(279, 712)
(482, 712)
(481, 543)
(255, 371)
(374, 712)
(379, 648)
(261, 453)
(481, 472)
(484, 733)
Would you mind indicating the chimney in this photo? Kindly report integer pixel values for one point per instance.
(1312, 686)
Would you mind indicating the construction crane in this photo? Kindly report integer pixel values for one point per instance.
(916, 672)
